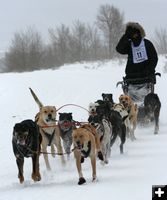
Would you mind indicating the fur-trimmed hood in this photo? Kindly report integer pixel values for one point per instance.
(136, 26)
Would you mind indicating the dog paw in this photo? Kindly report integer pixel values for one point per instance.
(94, 179)
(48, 168)
(106, 161)
(82, 159)
(133, 138)
(36, 177)
(100, 155)
(21, 178)
(81, 181)
(63, 161)
(53, 155)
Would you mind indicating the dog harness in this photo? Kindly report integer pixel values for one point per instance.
(62, 131)
(49, 137)
(23, 151)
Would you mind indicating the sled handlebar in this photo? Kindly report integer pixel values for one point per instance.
(136, 79)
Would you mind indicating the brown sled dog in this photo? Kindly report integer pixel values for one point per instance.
(86, 143)
(46, 120)
(132, 110)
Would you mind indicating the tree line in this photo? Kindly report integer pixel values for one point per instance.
(80, 42)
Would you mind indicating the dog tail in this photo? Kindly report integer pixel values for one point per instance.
(36, 98)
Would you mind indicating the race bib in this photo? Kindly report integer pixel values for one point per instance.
(139, 53)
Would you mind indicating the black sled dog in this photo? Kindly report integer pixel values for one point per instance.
(151, 110)
(26, 142)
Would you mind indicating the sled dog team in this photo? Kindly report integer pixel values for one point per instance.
(107, 120)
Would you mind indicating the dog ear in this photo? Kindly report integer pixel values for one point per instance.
(74, 132)
(121, 95)
(111, 96)
(136, 107)
(70, 116)
(54, 108)
(102, 94)
(16, 126)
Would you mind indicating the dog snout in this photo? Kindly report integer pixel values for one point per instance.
(50, 116)
(92, 123)
(21, 141)
(65, 122)
(78, 143)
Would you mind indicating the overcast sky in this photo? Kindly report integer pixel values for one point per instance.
(17, 15)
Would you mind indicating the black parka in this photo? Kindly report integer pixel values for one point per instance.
(142, 69)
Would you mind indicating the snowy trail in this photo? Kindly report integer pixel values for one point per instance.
(129, 176)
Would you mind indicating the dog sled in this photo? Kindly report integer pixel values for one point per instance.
(137, 89)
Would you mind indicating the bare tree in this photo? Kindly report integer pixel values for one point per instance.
(25, 52)
(94, 43)
(15, 59)
(60, 39)
(161, 40)
(35, 49)
(110, 22)
(80, 40)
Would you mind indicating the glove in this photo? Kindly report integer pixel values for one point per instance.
(129, 31)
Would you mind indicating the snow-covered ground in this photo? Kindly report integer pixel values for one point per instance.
(129, 176)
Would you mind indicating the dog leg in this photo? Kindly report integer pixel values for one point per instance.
(93, 163)
(132, 132)
(132, 136)
(107, 153)
(60, 149)
(98, 147)
(156, 128)
(128, 128)
(53, 150)
(104, 153)
(127, 132)
(38, 171)
(20, 163)
(134, 128)
(67, 147)
(79, 167)
(45, 155)
(108, 149)
(123, 138)
(113, 137)
(35, 168)
(156, 116)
